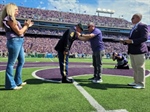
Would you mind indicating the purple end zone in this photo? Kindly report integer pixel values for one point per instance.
(54, 74)
(74, 70)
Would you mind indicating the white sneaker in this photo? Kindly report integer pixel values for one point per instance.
(132, 84)
(17, 88)
(138, 87)
(97, 81)
(24, 83)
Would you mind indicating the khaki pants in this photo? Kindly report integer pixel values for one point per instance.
(138, 65)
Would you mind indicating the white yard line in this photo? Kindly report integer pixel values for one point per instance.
(92, 101)
(89, 98)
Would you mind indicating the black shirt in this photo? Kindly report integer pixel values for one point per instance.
(65, 42)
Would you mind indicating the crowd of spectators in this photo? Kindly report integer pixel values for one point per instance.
(40, 45)
(69, 17)
(45, 31)
(46, 45)
(80, 48)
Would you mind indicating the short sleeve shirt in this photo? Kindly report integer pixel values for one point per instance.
(9, 32)
(97, 43)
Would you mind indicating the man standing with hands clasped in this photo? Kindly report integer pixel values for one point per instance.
(137, 49)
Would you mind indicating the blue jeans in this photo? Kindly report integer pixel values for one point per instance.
(15, 52)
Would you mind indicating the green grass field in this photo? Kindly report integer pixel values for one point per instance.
(43, 96)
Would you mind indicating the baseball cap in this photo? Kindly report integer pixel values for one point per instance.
(80, 26)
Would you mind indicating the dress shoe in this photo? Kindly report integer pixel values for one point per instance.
(132, 84)
(17, 88)
(90, 79)
(67, 80)
(138, 87)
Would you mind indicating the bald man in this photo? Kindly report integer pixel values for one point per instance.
(97, 45)
(136, 49)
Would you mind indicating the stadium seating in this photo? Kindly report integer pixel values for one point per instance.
(44, 47)
(67, 17)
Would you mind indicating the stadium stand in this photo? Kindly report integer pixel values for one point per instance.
(50, 25)
(67, 17)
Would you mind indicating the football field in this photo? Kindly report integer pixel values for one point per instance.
(44, 91)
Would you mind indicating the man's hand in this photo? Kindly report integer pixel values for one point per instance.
(78, 34)
(65, 52)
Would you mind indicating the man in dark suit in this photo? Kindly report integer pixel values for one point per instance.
(63, 47)
(136, 49)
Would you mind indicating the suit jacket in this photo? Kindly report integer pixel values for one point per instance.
(139, 36)
(65, 43)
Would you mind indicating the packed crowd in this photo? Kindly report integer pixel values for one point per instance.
(46, 45)
(68, 17)
(45, 31)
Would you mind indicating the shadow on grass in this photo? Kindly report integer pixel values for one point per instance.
(2, 85)
(38, 81)
(29, 81)
(34, 81)
(82, 80)
(103, 86)
(4, 89)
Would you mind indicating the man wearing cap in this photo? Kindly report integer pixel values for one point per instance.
(63, 46)
(122, 62)
(97, 45)
(136, 49)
